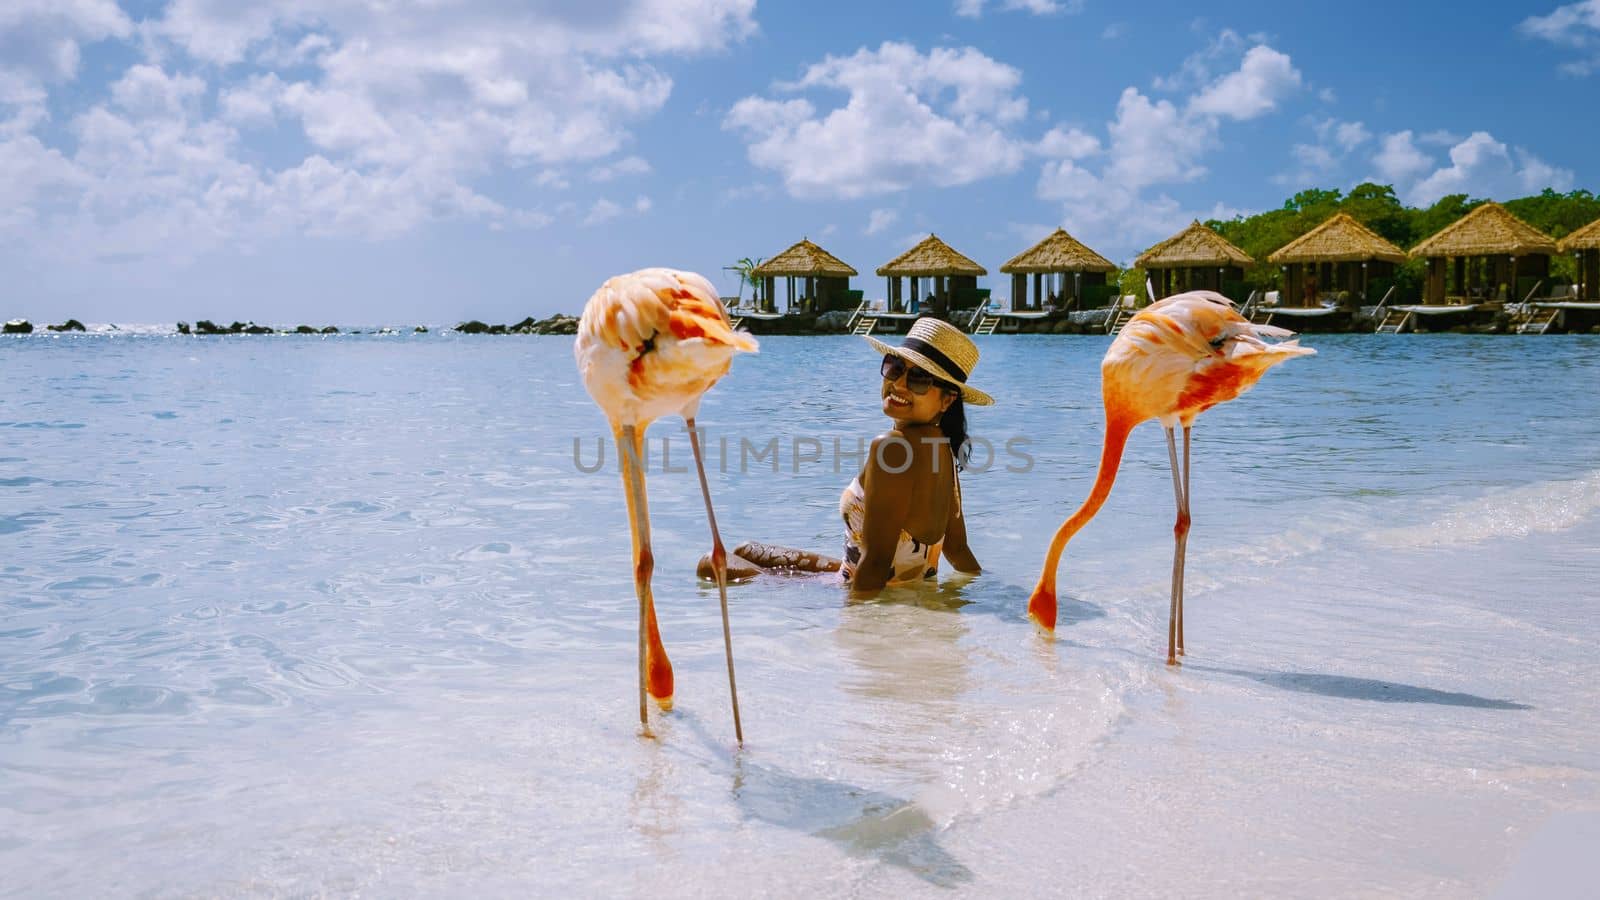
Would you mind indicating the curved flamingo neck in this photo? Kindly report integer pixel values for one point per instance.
(1117, 429)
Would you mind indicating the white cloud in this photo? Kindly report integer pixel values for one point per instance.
(1112, 196)
(879, 219)
(255, 102)
(1575, 26)
(973, 9)
(1198, 68)
(1398, 159)
(1484, 167)
(1067, 143)
(622, 168)
(941, 118)
(1263, 79)
(40, 44)
(1349, 135)
(402, 113)
(1335, 142)
(605, 210)
(553, 179)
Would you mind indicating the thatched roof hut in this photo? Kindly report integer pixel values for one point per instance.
(1339, 255)
(949, 272)
(1058, 252)
(1195, 258)
(1585, 238)
(805, 260)
(823, 279)
(1489, 230)
(1196, 245)
(1059, 265)
(1340, 239)
(931, 258)
(1585, 245)
(1490, 248)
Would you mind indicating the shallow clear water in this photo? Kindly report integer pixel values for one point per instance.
(301, 615)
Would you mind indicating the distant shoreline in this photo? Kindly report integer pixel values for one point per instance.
(1478, 319)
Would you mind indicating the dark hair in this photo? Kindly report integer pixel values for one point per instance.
(954, 425)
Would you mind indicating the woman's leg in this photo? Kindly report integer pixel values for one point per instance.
(752, 558)
(772, 556)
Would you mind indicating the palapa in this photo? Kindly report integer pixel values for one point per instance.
(1058, 252)
(1585, 238)
(1489, 230)
(1339, 239)
(1196, 245)
(805, 260)
(930, 258)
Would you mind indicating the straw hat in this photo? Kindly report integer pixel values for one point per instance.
(939, 348)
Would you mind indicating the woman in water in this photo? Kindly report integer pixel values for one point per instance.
(903, 511)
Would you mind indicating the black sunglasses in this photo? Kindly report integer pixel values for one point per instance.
(917, 381)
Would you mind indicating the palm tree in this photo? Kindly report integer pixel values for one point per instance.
(746, 268)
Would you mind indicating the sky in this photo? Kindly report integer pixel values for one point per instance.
(402, 161)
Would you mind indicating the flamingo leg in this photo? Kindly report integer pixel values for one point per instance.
(655, 670)
(1183, 539)
(1180, 534)
(719, 565)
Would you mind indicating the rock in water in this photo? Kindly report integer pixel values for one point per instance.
(305, 329)
(68, 325)
(473, 327)
(183, 328)
(420, 329)
(330, 330)
(19, 326)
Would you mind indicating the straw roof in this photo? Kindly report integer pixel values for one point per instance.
(1585, 238)
(1488, 230)
(1340, 239)
(805, 260)
(1196, 245)
(1059, 252)
(931, 257)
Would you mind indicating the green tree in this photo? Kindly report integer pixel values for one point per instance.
(1377, 207)
(746, 270)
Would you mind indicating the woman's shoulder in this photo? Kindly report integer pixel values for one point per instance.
(900, 449)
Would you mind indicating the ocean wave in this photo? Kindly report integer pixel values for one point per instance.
(1544, 506)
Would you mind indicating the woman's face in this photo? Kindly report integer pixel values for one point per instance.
(905, 405)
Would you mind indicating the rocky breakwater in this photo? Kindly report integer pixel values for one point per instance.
(559, 323)
(206, 326)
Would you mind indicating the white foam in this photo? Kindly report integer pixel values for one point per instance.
(1544, 506)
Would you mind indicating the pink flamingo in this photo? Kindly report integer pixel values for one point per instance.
(1173, 361)
(651, 343)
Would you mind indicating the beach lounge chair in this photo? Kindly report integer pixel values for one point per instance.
(1270, 298)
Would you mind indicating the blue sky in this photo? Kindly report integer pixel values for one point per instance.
(366, 161)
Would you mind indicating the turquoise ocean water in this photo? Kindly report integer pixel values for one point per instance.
(291, 615)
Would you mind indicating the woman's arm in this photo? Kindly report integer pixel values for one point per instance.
(887, 482)
(955, 543)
